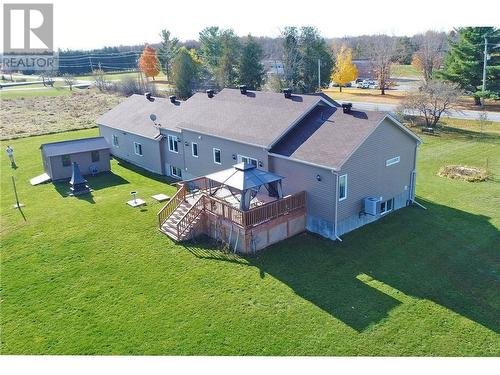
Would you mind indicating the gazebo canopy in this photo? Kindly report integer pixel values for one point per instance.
(243, 177)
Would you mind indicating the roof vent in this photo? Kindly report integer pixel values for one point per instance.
(288, 93)
(243, 89)
(147, 95)
(210, 93)
(346, 107)
(172, 98)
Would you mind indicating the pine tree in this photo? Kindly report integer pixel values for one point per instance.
(167, 51)
(345, 71)
(250, 70)
(185, 68)
(464, 62)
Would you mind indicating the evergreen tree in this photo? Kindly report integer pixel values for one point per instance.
(167, 51)
(250, 69)
(464, 62)
(185, 68)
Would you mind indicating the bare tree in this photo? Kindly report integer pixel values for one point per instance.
(433, 100)
(47, 78)
(381, 55)
(99, 79)
(430, 53)
(69, 80)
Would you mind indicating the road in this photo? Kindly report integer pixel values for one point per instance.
(460, 114)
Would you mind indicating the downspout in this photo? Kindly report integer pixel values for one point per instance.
(336, 205)
(413, 182)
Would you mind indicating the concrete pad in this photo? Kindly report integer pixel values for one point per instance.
(160, 197)
(136, 202)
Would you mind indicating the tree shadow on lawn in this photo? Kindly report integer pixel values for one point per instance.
(443, 255)
(98, 182)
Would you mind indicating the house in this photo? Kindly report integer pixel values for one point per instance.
(354, 166)
(91, 154)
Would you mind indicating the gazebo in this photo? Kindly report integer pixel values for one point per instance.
(244, 183)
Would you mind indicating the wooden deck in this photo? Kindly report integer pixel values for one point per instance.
(197, 196)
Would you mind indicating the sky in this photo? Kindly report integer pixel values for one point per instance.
(87, 24)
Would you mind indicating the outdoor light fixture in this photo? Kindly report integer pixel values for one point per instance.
(261, 164)
(234, 156)
(318, 177)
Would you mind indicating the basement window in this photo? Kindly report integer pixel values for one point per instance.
(386, 206)
(175, 172)
(217, 156)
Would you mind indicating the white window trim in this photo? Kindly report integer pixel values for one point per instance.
(240, 157)
(220, 155)
(174, 138)
(172, 171)
(113, 136)
(345, 196)
(192, 149)
(392, 161)
(387, 211)
(135, 149)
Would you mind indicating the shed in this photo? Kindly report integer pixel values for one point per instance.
(91, 154)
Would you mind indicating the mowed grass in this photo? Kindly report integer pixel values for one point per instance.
(400, 70)
(94, 276)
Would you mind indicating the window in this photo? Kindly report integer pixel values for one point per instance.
(115, 140)
(95, 156)
(392, 161)
(194, 149)
(175, 172)
(138, 148)
(342, 187)
(172, 144)
(386, 206)
(66, 160)
(247, 160)
(217, 159)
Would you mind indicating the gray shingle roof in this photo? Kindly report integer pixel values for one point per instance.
(132, 115)
(327, 136)
(74, 146)
(257, 118)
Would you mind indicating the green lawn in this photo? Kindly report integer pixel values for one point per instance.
(20, 93)
(94, 276)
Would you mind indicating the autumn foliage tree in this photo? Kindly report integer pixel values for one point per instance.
(344, 71)
(148, 62)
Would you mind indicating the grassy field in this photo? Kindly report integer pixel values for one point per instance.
(94, 276)
(77, 109)
(27, 93)
(409, 71)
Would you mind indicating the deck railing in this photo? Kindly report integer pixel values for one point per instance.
(274, 209)
(171, 205)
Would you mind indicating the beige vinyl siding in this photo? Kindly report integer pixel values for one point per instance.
(151, 154)
(367, 173)
(84, 161)
(320, 195)
(204, 163)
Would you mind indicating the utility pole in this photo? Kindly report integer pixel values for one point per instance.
(319, 75)
(485, 63)
(91, 66)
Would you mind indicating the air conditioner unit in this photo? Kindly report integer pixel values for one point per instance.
(370, 205)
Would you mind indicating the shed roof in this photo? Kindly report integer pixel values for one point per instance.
(133, 115)
(74, 146)
(327, 137)
(243, 177)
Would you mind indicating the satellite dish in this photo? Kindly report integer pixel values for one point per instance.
(152, 116)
